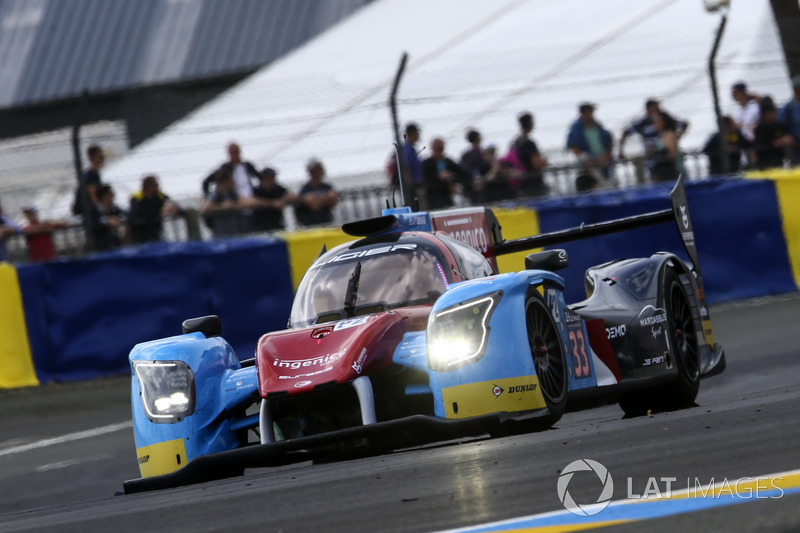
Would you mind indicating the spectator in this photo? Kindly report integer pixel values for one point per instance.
(736, 147)
(442, 177)
(147, 209)
(524, 155)
(245, 175)
(473, 161)
(645, 128)
(773, 142)
(317, 199)
(86, 192)
(494, 185)
(746, 112)
(592, 144)
(222, 208)
(107, 219)
(7, 229)
(413, 168)
(666, 164)
(790, 115)
(269, 199)
(39, 235)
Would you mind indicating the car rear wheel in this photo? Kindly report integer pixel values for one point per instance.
(548, 355)
(684, 349)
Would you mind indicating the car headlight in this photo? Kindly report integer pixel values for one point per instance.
(458, 334)
(167, 387)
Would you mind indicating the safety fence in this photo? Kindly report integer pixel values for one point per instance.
(78, 319)
(362, 202)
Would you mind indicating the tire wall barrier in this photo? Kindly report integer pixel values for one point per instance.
(78, 319)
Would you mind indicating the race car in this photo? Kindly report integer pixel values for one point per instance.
(410, 334)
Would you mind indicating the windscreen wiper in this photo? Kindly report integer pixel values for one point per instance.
(351, 296)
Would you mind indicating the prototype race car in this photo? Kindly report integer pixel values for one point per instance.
(409, 334)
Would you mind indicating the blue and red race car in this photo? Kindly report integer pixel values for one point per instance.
(409, 334)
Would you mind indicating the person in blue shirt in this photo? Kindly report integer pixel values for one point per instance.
(592, 144)
(316, 199)
(7, 229)
(789, 114)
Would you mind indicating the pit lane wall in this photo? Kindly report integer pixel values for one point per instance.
(75, 320)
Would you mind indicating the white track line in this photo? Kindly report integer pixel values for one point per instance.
(89, 433)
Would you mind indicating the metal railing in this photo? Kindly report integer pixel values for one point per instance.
(363, 202)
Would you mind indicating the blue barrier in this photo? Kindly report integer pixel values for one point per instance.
(737, 226)
(84, 316)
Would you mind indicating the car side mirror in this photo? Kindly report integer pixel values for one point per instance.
(210, 326)
(551, 260)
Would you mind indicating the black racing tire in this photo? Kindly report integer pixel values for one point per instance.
(548, 355)
(683, 339)
(684, 348)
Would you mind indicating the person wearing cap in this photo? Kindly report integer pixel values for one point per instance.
(7, 229)
(148, 207)
(316, 199)
(39, 235)
(789, 114)
(746, 111)
(592, 144)
(773, 141)
(645, 128)
(269, 199)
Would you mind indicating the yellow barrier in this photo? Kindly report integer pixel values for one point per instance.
(787, 187)
(16, 363)
(304, 246)
(516, 223)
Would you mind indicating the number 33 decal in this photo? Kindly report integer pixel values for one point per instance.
(580, 359)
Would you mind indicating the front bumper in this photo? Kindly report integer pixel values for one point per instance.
(382, 436)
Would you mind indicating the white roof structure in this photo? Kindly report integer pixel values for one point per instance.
(472, 63)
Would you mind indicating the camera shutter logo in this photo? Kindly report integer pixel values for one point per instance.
(585, 465)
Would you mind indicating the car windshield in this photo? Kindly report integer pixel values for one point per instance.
(353, 282)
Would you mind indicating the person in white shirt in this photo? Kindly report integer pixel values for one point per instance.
(746, 112)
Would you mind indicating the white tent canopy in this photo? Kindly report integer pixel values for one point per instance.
(472, 63)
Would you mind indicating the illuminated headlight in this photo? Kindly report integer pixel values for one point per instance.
(167, 389)
(458, 335)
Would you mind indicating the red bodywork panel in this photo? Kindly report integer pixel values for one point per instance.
(297, 360)
(467, 225)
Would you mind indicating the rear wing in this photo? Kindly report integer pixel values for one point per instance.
(679, 214)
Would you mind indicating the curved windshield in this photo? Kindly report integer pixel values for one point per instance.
(353, 282)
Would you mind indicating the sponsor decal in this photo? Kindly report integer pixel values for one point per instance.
(322, 360)
(571, 316)
(497, 391)
(357, 365)
(656, 331)
(657, 360)
(530, 387)
(301, 384)
(616, 332)
(552, 303)
(350, 323)
(144, 459)
(367, 253)
(651, 320)
(307, 374)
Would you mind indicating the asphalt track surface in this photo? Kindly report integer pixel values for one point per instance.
(65, 450)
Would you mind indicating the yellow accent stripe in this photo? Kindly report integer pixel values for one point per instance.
(161, 458)
(787, 188)
(304, 246)
(567, 528)
(516, 223)
(485, 397)
(16, 362)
